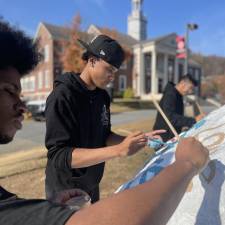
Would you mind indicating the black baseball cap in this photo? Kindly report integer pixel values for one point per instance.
(105, 48)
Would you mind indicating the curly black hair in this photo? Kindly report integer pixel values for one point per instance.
(189, 77)
(87, 55)
(17, 50)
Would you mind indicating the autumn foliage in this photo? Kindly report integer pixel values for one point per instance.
(71, 57)
(214, 86)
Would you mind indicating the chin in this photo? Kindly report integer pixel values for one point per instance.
(103, 86)
(5, 139)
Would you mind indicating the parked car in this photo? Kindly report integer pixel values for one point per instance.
(37, 109)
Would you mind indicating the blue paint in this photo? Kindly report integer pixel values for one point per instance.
(199, 124)
(155, 143)
(154, 170)
(158, 161)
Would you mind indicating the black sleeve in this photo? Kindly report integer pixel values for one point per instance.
(33, 212)
(61, 129)
(169, 107)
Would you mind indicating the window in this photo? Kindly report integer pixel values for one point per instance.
(28, 83)
(160, 85)
(40, 80)
(148, 71)
(122, 82)
(31, 83)
(160, 63)
(171, 68)
(46, 53)
(47, 79)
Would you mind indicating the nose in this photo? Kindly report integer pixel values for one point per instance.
(111, 77)
(21, 107)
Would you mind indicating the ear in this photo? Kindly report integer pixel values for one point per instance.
(92, 61)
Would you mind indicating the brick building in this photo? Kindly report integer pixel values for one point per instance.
(38, 84)
(152, 62)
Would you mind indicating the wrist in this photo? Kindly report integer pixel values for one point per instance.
(117, 150)
(189, 166)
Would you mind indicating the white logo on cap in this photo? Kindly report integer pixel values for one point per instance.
(102, 52)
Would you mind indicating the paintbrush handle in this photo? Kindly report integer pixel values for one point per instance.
(165, 118)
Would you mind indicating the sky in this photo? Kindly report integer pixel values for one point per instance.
(164, 17)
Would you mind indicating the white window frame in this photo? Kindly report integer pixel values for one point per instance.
(31, 83)
(47, 79)
(40, 80)
(46, 53)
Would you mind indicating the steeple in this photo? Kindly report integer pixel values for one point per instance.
(137, 23)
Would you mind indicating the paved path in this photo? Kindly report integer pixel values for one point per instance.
(32, 134)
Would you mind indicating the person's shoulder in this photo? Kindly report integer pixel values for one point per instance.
(105, 95)
(170, 89)
(61, 93)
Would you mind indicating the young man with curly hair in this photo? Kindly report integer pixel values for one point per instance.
(149, 203)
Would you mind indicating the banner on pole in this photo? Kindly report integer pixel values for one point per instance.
(181, 49)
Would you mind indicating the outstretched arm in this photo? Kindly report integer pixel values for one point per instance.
(154, 202)
(123, 146)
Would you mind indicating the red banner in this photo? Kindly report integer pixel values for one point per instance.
(181, 50)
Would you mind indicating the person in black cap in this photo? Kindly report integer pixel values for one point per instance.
(173, 106)
(78, 123)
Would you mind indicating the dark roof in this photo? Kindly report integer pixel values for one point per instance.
(58, 32)
(63, 33)
(123, 39)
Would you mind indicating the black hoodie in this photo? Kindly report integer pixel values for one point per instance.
(75, 118)
(173, 106)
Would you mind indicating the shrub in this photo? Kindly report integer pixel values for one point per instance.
(128, 93)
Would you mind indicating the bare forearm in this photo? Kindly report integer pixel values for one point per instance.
(83, 157)
(149, 204)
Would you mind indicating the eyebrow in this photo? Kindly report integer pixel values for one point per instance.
(14, 86)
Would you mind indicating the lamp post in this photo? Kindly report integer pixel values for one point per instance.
(189, 27)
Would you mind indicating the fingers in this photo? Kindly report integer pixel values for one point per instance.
(136, 133)
(139, 138)
(157, 137)
(155, 132)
